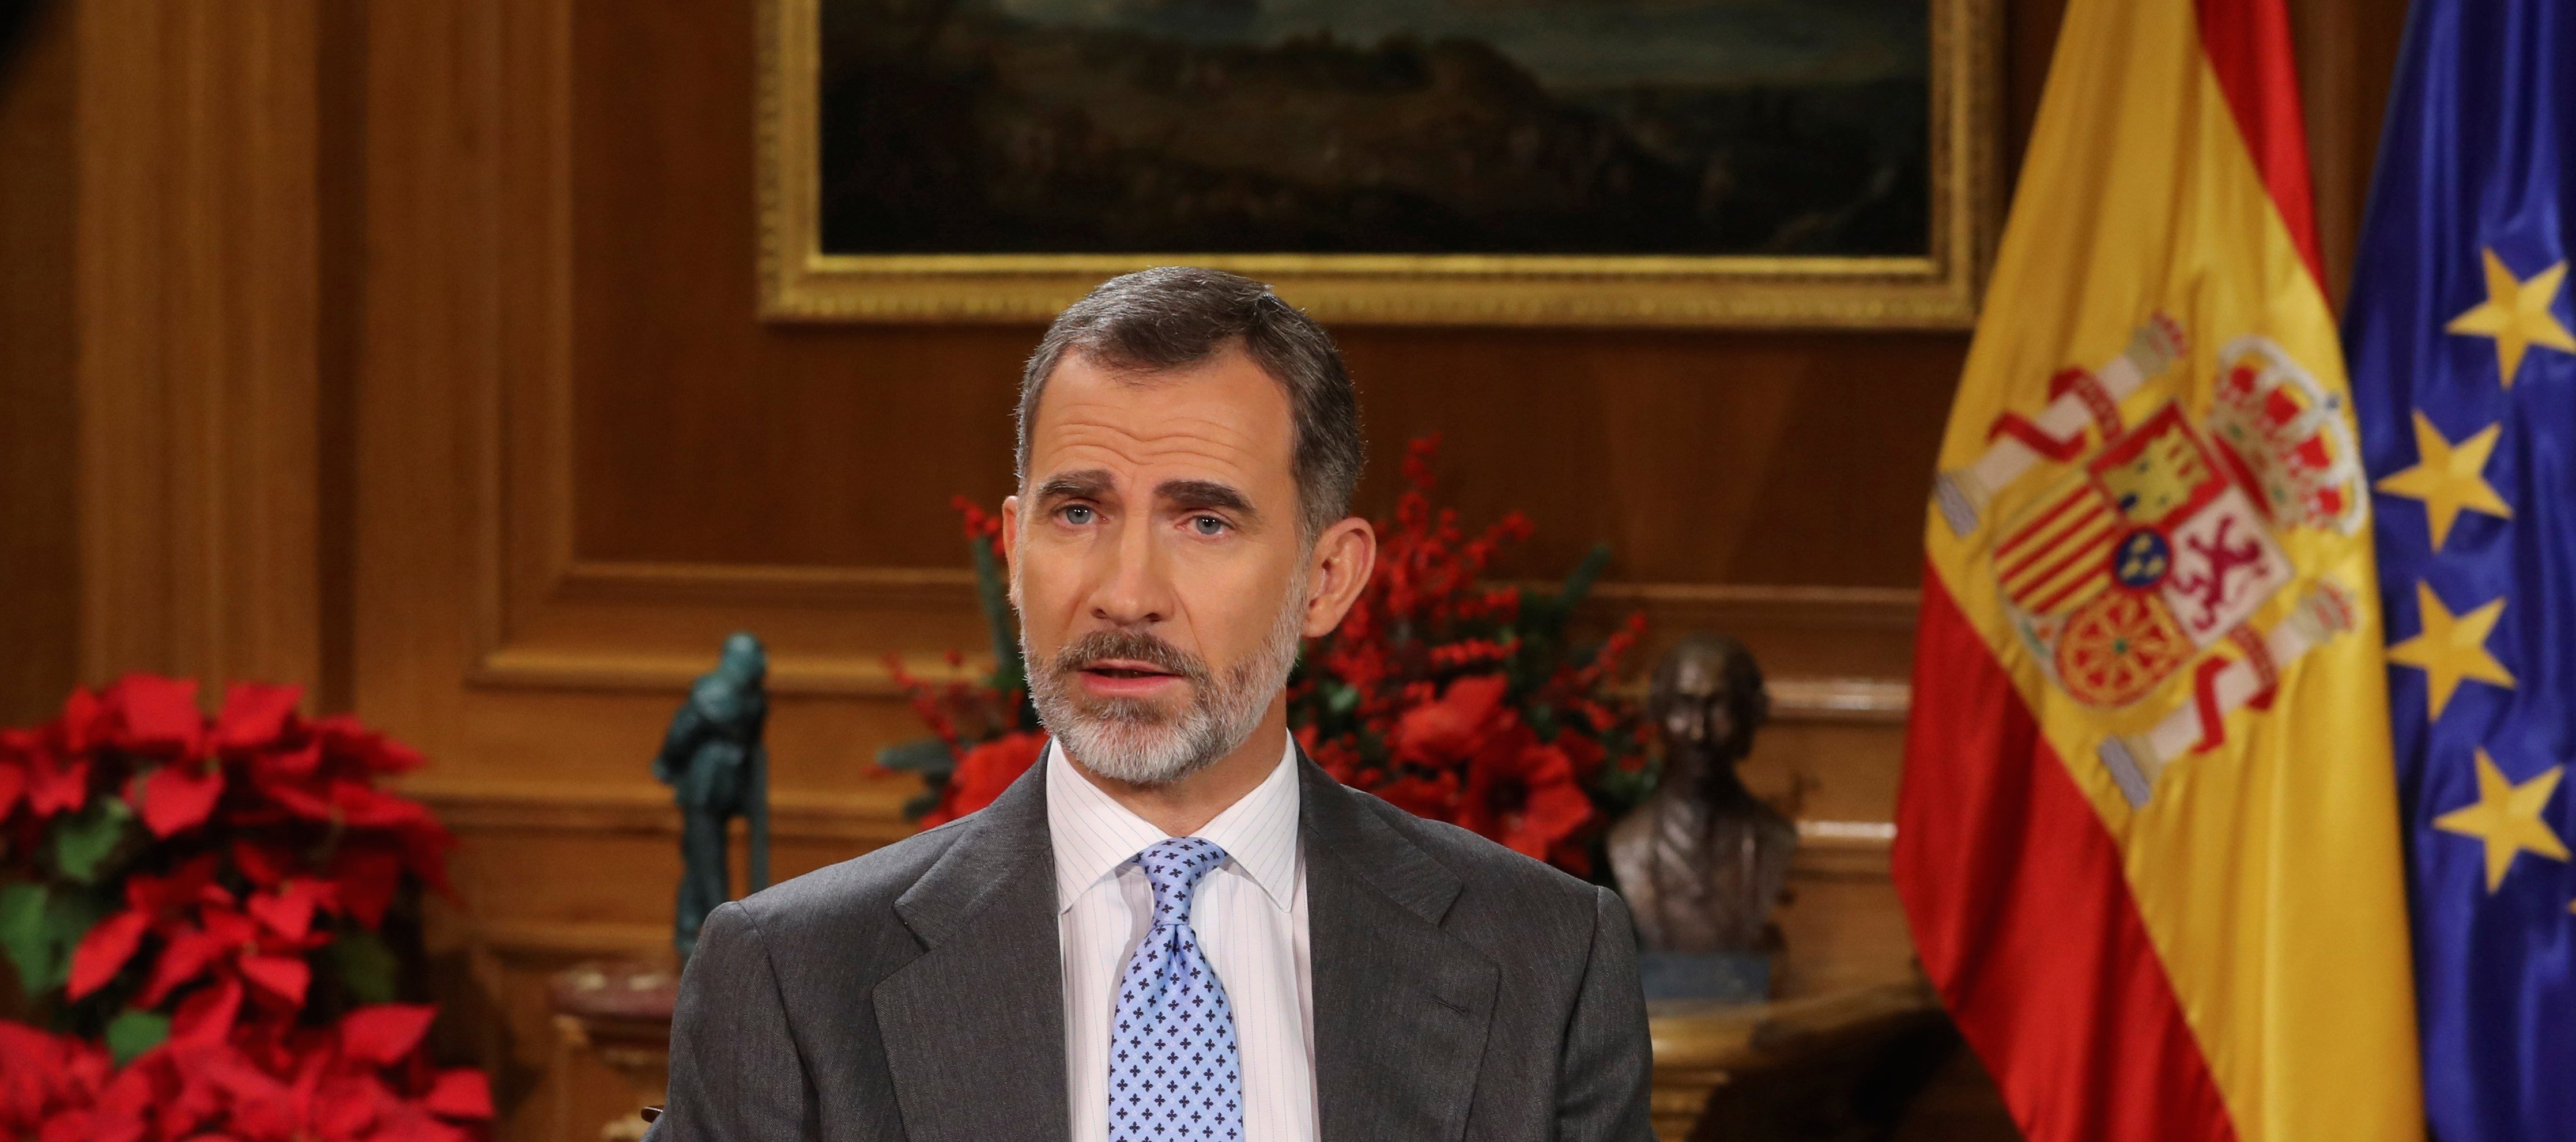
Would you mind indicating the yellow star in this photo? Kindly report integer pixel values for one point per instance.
(2448, 477)
(2507, 817)
(2450, 648)
(2516, 314)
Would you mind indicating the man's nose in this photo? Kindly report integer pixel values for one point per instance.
(1136, 588)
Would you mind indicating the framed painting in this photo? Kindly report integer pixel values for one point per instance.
(1815, 163)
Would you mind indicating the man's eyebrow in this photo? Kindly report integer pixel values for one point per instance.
(1087, 484)
(1189, 495)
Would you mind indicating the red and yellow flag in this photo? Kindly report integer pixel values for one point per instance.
(2147, 838)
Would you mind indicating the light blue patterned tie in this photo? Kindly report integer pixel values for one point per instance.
(1174, 1070)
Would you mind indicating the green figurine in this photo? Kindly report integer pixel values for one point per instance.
(717, 770)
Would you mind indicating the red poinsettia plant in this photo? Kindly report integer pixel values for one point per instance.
(363, 1079)
(1453, 697)
(195, 909)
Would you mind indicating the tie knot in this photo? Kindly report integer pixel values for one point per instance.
(1174, 867)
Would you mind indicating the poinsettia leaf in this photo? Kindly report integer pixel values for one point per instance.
(183, 959)
(133, 1032)
(56, 784)
(264, 863)
(289, 914)
(405, 1122)
(361, 806)
(13, 785)
(385, 1033)
(159, 712)
(285, 977)
(180, 796)
(105, 949)
(364, 965)
(297, 764)
(206, 1016)
(460, 1092)
(23, 934)
(390, 756)
(84, 841)
(255, 714)
(368, 876)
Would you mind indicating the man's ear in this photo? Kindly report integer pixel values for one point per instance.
(1337, 571)
(1011, 547)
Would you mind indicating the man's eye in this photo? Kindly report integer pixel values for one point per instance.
(1076, 514)
(1207, 525)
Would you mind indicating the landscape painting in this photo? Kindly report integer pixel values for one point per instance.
(1419, 137)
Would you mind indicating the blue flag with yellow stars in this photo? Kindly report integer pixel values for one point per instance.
(2464, 380)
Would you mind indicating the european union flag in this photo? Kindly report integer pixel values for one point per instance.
(2464, 378)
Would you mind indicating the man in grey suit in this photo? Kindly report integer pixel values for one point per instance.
(1174, 926)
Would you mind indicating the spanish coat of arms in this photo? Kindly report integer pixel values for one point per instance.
(2157, 541)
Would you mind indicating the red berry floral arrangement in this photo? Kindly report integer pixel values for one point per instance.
(1457, 699)
(195, 913)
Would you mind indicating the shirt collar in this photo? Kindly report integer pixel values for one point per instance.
(1094, 835)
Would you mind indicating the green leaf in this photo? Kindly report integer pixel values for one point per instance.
(68, 917)
(364, 965)
(920, 803)
(83, 842)
(39, 928)
(923, 755)
(23, 936)
(1542, 721)
(133, 1032)
(1341, 698)
(1549, 619)
(992, 594)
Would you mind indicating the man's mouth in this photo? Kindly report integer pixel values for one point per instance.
(1125, 678)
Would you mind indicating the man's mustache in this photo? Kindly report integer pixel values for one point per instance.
(1132, 646)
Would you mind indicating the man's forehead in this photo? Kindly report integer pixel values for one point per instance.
(1222, 418)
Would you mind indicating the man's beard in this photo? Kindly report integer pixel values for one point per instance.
(1135, 740)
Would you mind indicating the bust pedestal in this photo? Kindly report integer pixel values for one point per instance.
(1817, 1067)
(620, 1013)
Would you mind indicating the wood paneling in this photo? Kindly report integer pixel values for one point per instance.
(39, 530)
(580, 461)
(197, 292)
(2347, 58)
(409, 349)
(704, 436)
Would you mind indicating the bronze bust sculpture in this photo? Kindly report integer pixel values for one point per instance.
(1702, 861)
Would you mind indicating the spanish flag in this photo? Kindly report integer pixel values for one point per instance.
(2147, 837)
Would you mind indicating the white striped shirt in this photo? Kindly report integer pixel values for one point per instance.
(1250, 916)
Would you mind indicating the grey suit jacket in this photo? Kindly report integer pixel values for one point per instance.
(1462, 991)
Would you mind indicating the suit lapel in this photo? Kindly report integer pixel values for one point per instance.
(1401, 1006)
(974, 1028)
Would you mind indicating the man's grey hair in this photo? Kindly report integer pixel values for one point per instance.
(1172, 317)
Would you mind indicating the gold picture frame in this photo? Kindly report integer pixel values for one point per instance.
(799, 282)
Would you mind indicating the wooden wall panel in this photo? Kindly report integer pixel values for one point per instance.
(579, 461)
(2347, 59)
(408, 348)
(39, 522)
(197, 295)
(705, 437)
